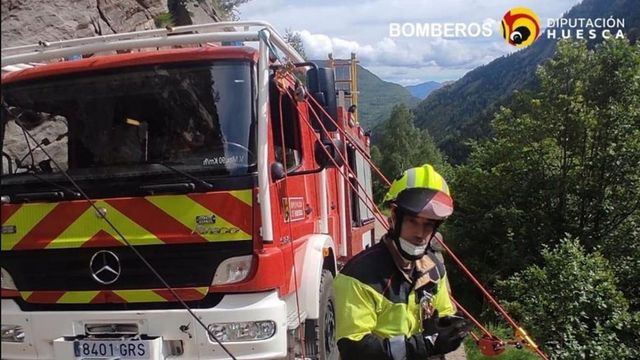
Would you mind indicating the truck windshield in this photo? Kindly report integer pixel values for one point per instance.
(116, 124)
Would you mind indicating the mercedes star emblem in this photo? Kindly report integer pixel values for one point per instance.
(105, 267)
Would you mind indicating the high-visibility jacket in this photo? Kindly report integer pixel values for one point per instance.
(376, 300)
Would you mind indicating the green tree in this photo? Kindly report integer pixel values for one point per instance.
(623, 249)
(573, 306)
(294, 39)
(228, 9)
(564, 160)
(379, 187)
(402, 146)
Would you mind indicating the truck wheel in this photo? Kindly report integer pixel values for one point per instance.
(320, 334)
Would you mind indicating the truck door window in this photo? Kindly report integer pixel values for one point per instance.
(292, 141)
(360, 212)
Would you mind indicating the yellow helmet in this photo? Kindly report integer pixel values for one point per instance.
(421, 190)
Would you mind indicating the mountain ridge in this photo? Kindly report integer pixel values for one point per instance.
(422, 90)
(464, 109)
(377, 97)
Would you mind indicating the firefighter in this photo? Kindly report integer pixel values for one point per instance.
(392, 299)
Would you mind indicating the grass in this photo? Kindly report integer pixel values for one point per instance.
(511, 353)
(164, 19)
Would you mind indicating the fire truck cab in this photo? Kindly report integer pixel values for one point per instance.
(175, 167)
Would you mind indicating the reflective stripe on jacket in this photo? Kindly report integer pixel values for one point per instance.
(373, 296)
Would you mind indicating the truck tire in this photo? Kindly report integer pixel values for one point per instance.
(320, 334)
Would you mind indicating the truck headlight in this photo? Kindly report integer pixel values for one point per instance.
(12, 333)
(6, 281)
(233, 270)
(242, 331)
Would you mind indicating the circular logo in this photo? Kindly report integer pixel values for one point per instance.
(520, 27)
(105, 267)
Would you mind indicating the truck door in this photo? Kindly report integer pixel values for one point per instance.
(296, 194)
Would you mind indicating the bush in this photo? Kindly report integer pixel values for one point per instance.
(572, 306)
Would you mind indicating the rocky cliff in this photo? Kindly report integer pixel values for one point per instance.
(29, 21)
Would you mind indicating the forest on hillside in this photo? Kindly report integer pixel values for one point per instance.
(548, 208)
(463, 110)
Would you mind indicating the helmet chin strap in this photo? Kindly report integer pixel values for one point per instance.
(435, 231)
(395, 235)
(394, 231)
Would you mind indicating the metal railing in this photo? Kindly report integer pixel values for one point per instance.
(156, 38)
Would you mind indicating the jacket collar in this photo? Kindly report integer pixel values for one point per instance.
(418, 272)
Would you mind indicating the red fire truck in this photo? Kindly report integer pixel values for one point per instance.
(179, 193)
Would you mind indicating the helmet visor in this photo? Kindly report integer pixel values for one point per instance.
(427, 202)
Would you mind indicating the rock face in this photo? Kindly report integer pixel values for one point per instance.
(192, 12)
(49, 132)
(29, 21)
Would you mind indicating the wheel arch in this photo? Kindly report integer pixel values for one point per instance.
(319, 256)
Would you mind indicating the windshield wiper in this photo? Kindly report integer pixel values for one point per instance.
(37, 196)
(66, 191)
(179, 188)
(198, 181)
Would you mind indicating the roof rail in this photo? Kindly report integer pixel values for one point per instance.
(169, 36)
(18, 67)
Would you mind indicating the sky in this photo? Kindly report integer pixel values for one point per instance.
(363, 26)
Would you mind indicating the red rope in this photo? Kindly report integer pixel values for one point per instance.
(301, 327)
(468, 315)
(377, 214)
(364, 154)
(475, 337)
(493, 301)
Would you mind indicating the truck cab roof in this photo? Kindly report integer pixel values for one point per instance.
(101, 62)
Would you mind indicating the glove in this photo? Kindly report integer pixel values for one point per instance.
(439, 336)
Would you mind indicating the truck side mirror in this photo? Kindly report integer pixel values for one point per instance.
(322, 86)
(327, 153)
(277, 171)
(324, 160)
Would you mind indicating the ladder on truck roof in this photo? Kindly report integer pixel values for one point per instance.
(228, 31)
(346, 78)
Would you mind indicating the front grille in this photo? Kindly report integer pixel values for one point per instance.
(182, 266)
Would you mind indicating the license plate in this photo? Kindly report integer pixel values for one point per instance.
(118, 349)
